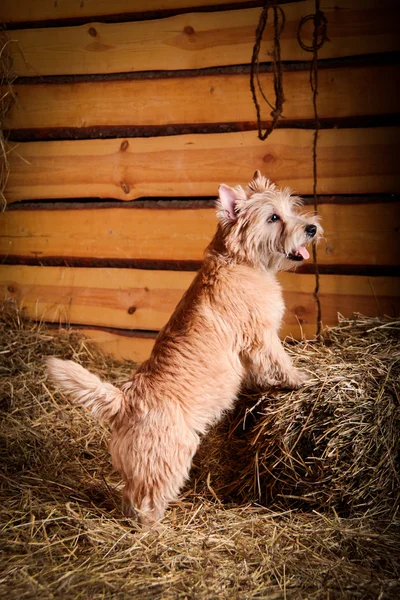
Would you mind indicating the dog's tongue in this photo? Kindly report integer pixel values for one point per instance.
(303, 252)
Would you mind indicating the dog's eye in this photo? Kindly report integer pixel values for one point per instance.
(274, 218)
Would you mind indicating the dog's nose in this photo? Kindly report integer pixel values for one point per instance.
(311, 230)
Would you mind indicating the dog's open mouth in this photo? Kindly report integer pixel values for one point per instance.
(299, 254)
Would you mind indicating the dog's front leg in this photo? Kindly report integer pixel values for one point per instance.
(268, 364)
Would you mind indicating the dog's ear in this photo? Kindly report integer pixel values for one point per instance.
(259, 183)
(228, 198)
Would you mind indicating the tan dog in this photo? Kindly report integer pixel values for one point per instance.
(222, 335)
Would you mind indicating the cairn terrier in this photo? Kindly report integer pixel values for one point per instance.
(223, 335)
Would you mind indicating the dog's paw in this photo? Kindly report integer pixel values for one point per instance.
(298, 379)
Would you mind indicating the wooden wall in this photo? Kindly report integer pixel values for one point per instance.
(128, 115)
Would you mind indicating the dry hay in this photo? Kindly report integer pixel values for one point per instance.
(63, 535)
(332, 444)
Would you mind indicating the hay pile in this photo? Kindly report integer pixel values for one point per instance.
(332, 444)
(62, 533)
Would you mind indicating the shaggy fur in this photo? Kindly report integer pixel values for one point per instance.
(223, 335)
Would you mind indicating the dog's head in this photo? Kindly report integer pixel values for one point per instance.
(261, 225)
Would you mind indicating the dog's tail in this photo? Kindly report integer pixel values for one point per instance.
(103, 399)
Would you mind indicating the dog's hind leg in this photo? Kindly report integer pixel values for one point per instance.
(143, 508)
(154, 475)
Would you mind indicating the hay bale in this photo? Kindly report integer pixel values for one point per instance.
(63, 535)
(332, 444)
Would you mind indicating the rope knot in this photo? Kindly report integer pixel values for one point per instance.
(276, 113)
(320, 31)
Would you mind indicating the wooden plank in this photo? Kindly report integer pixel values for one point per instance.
(354, 234)
(206, 99)
(371, 296)
(340, 294)
(350, 161)
(124, 298)
(48, 10)
(102, 297)
(199, 40)
(122, 347)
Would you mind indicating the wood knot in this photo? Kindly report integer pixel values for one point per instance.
(125, 187)
(92, 32)
(300, 310)
(188, 30)
(131, 310)
(124, 146)
(268, 158)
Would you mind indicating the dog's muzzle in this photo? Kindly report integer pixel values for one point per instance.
(295, 257)
(302, 253)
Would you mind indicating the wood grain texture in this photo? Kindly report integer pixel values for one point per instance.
(103, 298)
(339, 294)
(343, 92)
(119, 345)
(124, 298)
(372, 296)
(350, 161)
(361, 234)
(46, 10)
(199, 40)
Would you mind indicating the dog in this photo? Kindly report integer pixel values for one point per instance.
(222, 336)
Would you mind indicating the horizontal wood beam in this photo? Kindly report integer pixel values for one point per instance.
(120, 344)
(200, 40)
(27, 13)
(148, 107)
(115, 304)
(144, 300)
(122, 298)
(353, 234)
(350, 161)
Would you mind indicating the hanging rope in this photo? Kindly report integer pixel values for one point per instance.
(279, 24)
(319, 37)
